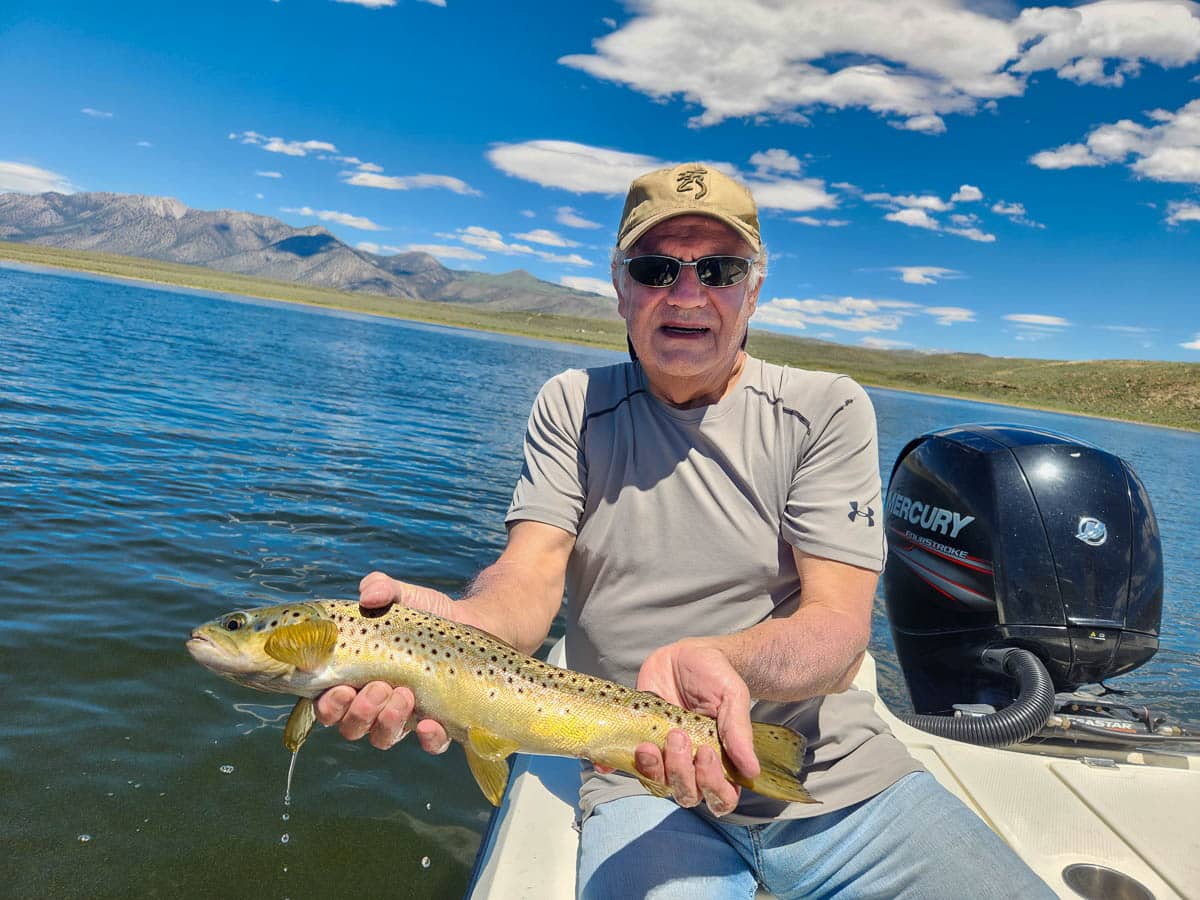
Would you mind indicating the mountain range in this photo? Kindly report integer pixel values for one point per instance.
(166, 229)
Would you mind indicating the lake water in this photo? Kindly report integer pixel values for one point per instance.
(167, 456)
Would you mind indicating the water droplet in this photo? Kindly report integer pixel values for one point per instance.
(285, 817)
(84, 838)
(227, 769)
(429, 806)
(424, 862)
(284, 838)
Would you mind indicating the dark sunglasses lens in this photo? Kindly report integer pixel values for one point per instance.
(654, 271)
(721, 271)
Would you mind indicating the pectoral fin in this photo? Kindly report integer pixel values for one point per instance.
(299, 724)
(490, 774)
(305, 645)
(488, 745)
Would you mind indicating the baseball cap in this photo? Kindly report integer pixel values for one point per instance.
(687, 188)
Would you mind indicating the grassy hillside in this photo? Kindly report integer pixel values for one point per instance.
(1160, 393)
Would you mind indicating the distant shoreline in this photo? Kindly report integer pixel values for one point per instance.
(599, 334)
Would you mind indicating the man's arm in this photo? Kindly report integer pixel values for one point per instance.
(816, 650)
(516, 599)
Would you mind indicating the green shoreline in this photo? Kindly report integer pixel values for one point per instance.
(1165, 394)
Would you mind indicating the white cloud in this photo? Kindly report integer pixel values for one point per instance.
(828, 223)
(570, 259)
(910, 201)
(569, 217)
(913, 210)
(280, 145)
(96, 113)
(1015, 212)
(923, 274)
(529, 213)
(973, 234)
(1182, 211)
(578, 168)
(547, 237)
(1079, 42)
(328, 215)
(1167, 151)
(492, 241)
(1037, 319)
(1193, 344)
(914, 218)
(792, 194)
(856, 314)
(369, 4)
(949, 315)
(445, 251)
(912, 63)
(926, 124)
(583, 169)
(1128, 329)
(594, 285)
(878, 343)
(408, 182)
(1068, 156)
(262, 174)
(775, 160)
(144, 144)
(25, 179)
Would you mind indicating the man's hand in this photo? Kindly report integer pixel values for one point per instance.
(698, 676)
(379, 710)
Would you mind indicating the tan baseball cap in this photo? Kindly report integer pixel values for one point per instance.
(688, 188)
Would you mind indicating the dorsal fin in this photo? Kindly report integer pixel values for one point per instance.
(306, 645)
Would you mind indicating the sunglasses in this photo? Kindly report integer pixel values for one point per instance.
(712, 271)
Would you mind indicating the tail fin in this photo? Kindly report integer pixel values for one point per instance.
(780, 752)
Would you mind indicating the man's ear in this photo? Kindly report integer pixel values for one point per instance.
(752, 297)
(622, 304)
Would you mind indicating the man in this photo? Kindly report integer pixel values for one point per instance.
(698, 507)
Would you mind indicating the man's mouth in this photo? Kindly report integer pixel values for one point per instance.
(685, 330)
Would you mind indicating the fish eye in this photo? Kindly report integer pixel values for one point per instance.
(234, 621)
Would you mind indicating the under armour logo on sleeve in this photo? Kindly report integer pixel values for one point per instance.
(864, 513)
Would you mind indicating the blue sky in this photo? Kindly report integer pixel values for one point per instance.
(983, 176)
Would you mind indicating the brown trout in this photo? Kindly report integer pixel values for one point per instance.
(490, 697)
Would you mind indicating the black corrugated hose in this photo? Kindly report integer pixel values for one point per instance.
(1018, 721)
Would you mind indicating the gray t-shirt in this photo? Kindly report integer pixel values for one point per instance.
(684, 523)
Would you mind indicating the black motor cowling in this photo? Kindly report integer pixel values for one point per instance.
(1002, 536)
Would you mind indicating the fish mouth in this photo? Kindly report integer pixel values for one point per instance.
(200, 646)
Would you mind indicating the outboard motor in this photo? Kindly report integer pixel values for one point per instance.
(1015, 555)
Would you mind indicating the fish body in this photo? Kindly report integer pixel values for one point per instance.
(489, 697)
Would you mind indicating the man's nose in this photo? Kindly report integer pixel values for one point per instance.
(687, 291)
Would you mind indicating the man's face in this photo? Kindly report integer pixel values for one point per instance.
(687, 332)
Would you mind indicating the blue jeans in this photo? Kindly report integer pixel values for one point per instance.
(914, 840)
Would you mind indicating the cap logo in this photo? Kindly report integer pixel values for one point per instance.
(692, 178)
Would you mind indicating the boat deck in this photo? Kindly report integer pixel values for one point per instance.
(1139, 816)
